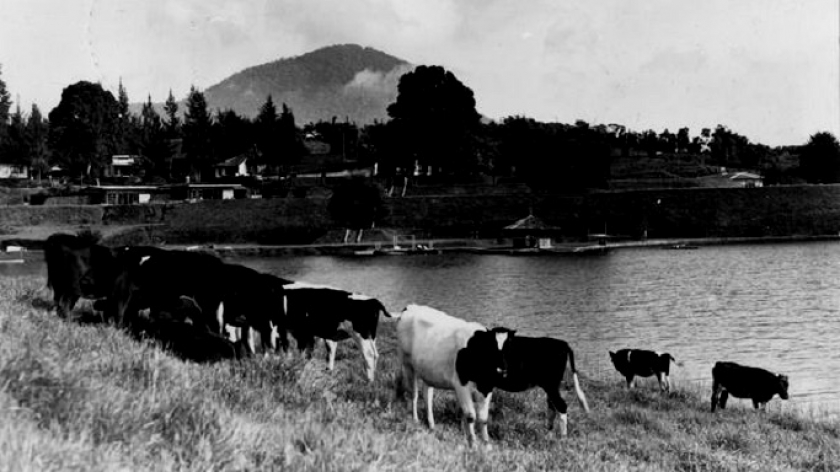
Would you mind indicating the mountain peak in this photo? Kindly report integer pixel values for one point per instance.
(345, 81)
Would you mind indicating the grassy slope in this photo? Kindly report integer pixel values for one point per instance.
(76, 397)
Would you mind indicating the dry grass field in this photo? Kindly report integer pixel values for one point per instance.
(88, 397)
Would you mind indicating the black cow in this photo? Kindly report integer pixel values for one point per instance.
(633, 362)
(746, 382)
(541, 362)
(78, 267)
(254, 300)
(160, 278)
(333, 315)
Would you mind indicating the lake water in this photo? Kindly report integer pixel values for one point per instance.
(775, 306)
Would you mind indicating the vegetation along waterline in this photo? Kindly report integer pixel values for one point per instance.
(86, 396)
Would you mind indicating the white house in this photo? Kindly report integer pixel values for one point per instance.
(233, 167)
(14, 171)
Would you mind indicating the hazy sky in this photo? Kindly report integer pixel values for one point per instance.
(768, 69)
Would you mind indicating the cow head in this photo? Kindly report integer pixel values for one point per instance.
(482, 361)
(783, 386)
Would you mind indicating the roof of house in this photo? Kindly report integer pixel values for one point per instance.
(745, 176)
(233, 161)
(530, 223)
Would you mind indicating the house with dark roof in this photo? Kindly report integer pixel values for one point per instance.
(234, 167)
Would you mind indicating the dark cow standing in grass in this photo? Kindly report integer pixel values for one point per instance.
(754, 383)
(541, 362)
(78, 267)
(642, 363)
(161, 278)
(333, 315)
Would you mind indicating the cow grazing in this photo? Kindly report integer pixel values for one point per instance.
(333, 315)
(254, 300)
(78, 267)
(541, 362)
(161, 278)
(451, 353)
(754, 383)
(642, 363)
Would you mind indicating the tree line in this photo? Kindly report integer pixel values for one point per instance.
(433, 129)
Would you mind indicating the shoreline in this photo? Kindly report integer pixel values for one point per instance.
(485, 246)
(429, 246)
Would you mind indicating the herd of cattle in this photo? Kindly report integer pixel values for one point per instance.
(198, 298)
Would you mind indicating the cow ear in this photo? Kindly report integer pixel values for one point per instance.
(612, 354)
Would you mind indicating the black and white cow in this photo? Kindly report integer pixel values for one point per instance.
(740, 381)
(333, 315)
(252, 300)
(541, 362)
(639, 362)
(453, 354)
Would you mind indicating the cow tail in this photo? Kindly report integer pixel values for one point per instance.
(578, 391)
(674, 360)
(384, 310)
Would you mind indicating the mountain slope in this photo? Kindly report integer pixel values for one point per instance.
(342, 81)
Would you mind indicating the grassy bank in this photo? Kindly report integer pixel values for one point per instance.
(88, 397)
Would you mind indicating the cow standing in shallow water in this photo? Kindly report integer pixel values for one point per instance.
(541, 362)
(453, 354)
(642, 363)
(754, 383)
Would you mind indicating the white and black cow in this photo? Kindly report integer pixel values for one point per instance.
(541, 362)
(454, 354)
(740, 381)
(639, 362)
(333, 315)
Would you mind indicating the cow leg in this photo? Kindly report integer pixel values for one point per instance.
(408, 375)
(659, 378)
(430, 396)
(484, 415)
(723, 397)
(715, 391)
(556, 404)
(468, 409)
(65, 304)
(667, 383)
(368, 348)
(630, 379)
(332, 347)
(756, 404)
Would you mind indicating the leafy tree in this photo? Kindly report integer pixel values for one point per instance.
(37, 131)
(197, 130)
(683, 140)
(356, 204)
(434, 115)
(232, 134)
(819, 161)
(172, 124)
(82, 128)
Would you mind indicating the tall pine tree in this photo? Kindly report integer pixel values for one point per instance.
(197, 130)
(37, 131)
(5, 105)
(172, 123)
